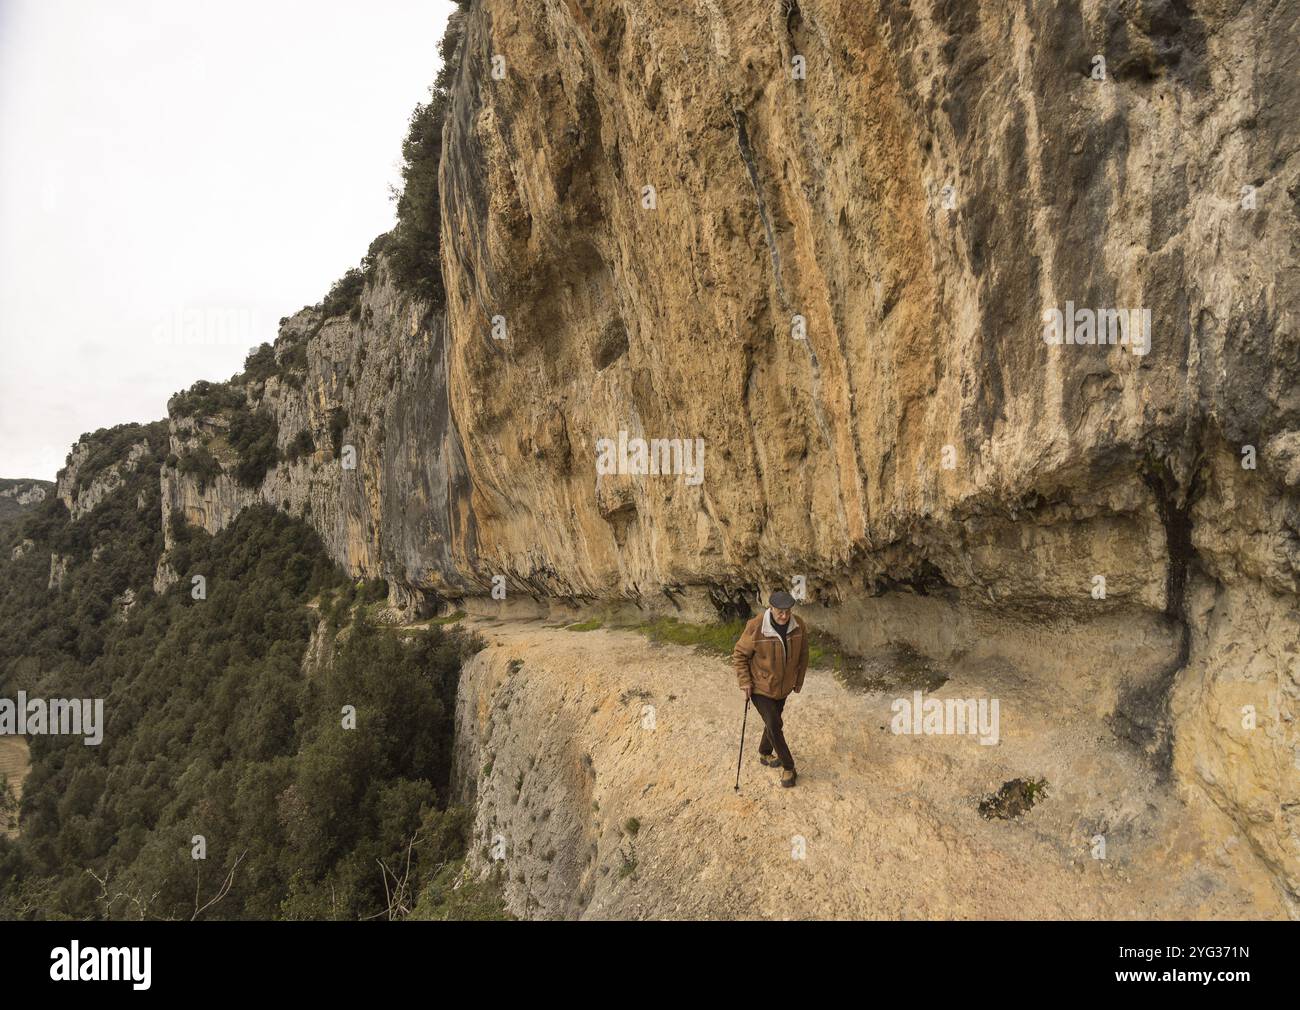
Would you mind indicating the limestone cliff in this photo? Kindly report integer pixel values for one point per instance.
(825, 198)
(842, 252)
(380, 472)
(860, 220)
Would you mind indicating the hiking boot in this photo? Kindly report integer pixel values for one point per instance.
(788, 778)
(769, 760)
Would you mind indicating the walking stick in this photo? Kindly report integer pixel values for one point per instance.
(741, 756)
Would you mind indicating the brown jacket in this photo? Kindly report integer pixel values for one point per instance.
(767, 666)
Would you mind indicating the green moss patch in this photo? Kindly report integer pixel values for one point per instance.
(1013, 799)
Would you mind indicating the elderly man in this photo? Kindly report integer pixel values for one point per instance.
(771, 659)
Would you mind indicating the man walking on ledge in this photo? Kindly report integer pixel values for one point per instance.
(771, 659)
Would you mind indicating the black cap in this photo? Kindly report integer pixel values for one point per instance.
(781, 600)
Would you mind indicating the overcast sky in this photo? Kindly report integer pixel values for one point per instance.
(175, 176)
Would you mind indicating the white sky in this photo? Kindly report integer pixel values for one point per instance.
(175, 176)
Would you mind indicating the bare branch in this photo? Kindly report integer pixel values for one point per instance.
(222, 891)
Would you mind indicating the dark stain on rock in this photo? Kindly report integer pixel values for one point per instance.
(896, 668)
(1142, 716)
(610, 345)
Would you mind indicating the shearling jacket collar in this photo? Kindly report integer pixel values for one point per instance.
(769, 629)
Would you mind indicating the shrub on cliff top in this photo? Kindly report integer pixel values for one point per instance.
(417, 238)
(345, 296)
(111, 445)
(260, 364)
(206, 398)
(415, 242)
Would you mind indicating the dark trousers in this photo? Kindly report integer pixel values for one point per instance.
(769, 709)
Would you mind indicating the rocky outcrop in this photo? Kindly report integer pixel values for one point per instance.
(15, 764)
(384, 479)
(81, 497)
(58, 571)
(16, 496)
(29, 493)
(123, 604)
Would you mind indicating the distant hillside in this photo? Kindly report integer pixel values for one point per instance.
(217, 721)
(19, 494)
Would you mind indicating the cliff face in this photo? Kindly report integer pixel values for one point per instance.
(383, 478)
(821, 247)
(840, 282)
(81, 495)
(825, 198)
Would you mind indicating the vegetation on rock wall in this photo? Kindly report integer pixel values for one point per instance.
(201, 465)
(414, 247)
(302, 445)
(111, 445)
(253, 435)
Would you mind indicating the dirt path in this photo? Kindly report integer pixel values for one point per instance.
(604, 768)
(14, 764)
